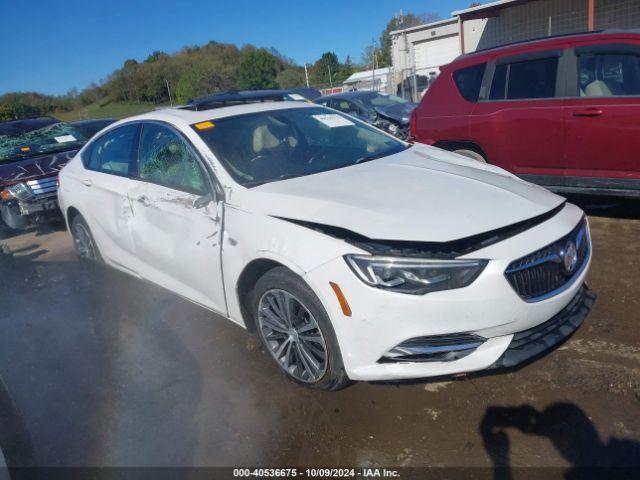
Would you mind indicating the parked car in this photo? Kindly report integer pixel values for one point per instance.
(385, 111)
(32, 151)
(353, 255)
(561, 112)
(91, 126)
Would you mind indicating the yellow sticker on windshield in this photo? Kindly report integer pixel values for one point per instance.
(25, 149)
(204, 125)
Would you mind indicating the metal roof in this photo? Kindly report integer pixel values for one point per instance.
(486, 6)
(367, 74)
(425, 26)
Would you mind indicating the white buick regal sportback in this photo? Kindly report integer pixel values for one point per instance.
(353, 255)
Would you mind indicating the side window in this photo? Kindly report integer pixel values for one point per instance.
(166, 159)
(499, 83)
(468, 80)
(345, 106)
(608, 75)
(116, 151)
(524, 80)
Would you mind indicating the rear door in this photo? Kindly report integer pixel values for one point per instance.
(109, 165)
(518, 120)
(602, 115)
(178, 222)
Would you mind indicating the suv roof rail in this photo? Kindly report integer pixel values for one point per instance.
(550, 37)
(235, 97)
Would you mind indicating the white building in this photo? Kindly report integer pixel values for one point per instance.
(377, 80)
(506, 21)
(418, 52)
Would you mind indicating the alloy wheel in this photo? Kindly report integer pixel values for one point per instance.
(83, 242)
(292, 335)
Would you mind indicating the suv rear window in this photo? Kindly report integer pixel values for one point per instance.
(468, 80)
(528, 79)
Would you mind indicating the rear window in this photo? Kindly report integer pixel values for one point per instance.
(21, 139)
(468, 80)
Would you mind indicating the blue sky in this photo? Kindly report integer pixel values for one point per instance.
(52, 46)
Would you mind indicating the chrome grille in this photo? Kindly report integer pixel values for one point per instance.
(541, 275)
(43, 186)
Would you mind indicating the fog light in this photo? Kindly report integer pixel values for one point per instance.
(437, 348)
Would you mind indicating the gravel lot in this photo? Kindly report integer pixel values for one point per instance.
(102, 369)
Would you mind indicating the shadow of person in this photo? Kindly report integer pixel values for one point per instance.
(15, 442)
(572, 434)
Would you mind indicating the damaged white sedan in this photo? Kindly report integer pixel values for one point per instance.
(353, 255)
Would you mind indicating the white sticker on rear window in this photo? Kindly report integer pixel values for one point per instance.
(333, 120)
(66, 139)
(296, 96)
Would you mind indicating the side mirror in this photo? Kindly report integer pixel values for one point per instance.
(202, 201)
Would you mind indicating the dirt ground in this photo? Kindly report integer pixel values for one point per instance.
(102, 369)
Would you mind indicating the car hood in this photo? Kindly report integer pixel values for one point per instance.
(421, 194)
(34, 167)
(399, 112)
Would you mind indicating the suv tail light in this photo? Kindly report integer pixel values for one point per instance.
(413, 126)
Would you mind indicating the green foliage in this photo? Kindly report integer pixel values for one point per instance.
(138, 86)
(291, 78)
(30, 104)
(110, 109)
(257, 70)
(328, 62)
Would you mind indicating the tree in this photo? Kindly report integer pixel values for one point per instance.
(291, 78)
(400, 22)
(257, 70)
(324, 70)
(371, 56)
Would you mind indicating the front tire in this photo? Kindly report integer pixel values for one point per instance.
(83, 242)
(296, 331)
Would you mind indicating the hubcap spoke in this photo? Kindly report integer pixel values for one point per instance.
(292, 335)
(273, 322)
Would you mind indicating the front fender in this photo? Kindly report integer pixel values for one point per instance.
(253, 236)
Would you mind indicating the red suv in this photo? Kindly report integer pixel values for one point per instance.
(563, 112)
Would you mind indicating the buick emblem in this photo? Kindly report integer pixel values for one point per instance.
(569, 257)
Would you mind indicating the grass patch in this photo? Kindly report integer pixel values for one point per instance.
(112, 110)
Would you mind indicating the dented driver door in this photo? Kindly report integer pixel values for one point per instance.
(177, 219)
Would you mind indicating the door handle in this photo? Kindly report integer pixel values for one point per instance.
(144, 200)
(87, 182)
(588, 112)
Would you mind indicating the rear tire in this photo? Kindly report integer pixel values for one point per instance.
(471, 154)
(296, 331)
(83, 242)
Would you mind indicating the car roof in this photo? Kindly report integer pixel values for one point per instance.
(354, 94)
(537, 44)
(186, 117)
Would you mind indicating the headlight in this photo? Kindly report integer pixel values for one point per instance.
(21, 191)
(414, 275)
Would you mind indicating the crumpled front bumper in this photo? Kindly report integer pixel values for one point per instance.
(533, 342)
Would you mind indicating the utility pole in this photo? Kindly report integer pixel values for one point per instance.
(169, 91)
(373, 64)
(330, 80)
(306, 74)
